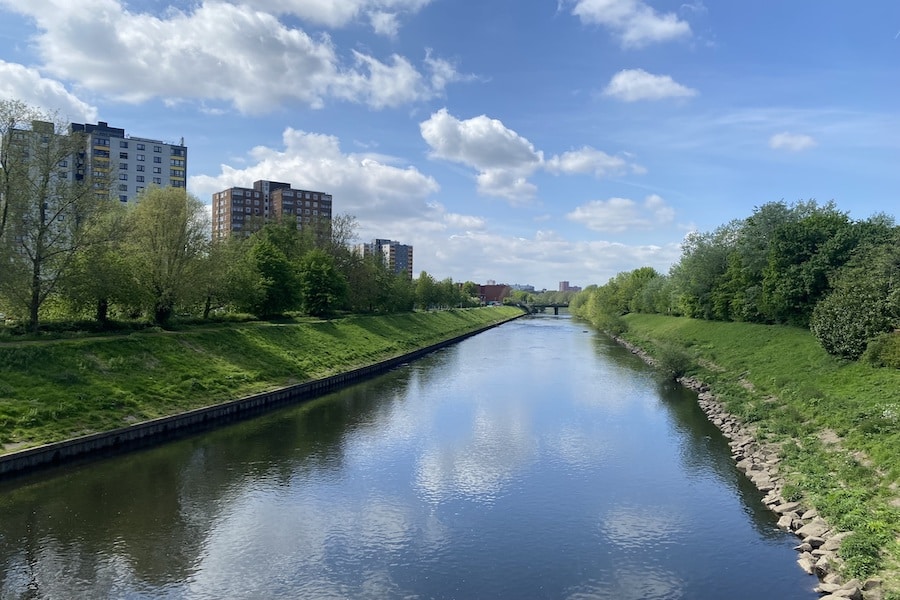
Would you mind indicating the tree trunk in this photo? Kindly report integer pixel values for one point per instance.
(103, 311)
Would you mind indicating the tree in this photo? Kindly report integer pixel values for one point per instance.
(168, 239)
(426, 291)
(322, 286)
(99, 275)
(279, 281)
(865, 301)
(44, 208)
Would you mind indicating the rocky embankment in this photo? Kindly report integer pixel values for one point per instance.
(819, 543)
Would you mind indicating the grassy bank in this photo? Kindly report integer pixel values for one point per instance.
(58, 389)
(838, 422)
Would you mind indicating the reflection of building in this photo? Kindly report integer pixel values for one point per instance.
(565, 287)
(396, 256)
(244, 210)
(130, 164)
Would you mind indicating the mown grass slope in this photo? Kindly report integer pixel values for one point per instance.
(838, 422)
(58, 389)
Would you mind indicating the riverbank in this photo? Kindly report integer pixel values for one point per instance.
(63, 389)
(819, 436)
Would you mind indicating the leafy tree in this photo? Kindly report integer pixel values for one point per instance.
(168, 239)
(323, 288)
(277, 286)
(865, 301)
(44, 210)
(99, 275)
(427, 294)
(802, 255)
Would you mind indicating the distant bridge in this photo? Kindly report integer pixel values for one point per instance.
(537, 307)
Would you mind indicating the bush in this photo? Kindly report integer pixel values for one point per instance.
(673, 360)
(883, 351)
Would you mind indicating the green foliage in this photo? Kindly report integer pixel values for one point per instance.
(279, 281)
(883, 351)
(865, 301)
(322, 287)
(861, 552)
(673, 359)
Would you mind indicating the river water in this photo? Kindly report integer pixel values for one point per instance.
(535, 460)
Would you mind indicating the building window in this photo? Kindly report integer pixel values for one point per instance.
(140, 179)
(101, 142)
(140, 157)
(123, 155)
(177, 162)
(123, 198)
(139, 189)
(157, 159)
(157, 149)
(176, 173)
(123, 187)
(177, 184)
(157, 180)
(123, 166)
(140, 167)
(157, 170)
(123, 144)
(140, 146)
(123, 176)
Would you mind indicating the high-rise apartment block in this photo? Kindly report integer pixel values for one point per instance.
(112, 161)
(129, 164)
(241, 210)
(397, 257)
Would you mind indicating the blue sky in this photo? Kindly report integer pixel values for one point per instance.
(523, 142)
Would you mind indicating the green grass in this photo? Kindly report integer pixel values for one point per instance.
(57, 389)
(782, 381)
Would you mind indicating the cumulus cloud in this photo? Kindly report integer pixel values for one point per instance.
(504, 159)
(631, 85)
(541, 259)
(18, 82)
(383, 15)
(224, 52)
(795, 142)
(368, 185)
(634, 22)
(589, 160)
(621, 214)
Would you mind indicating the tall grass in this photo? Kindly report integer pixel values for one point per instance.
(781, 379)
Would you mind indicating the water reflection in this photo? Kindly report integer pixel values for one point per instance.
(535, 460)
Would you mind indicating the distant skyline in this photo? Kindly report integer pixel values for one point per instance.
(526, 143)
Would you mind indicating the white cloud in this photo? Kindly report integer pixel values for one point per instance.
(542, 259)
(634, 22)
(631, 85)
(383, 15)
(504, 159)
(589, 160)
(621, 214)
(364, 185)
(795, 142)
(220, 51)
(18, 82)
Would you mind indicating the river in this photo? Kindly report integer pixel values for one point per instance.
(535, 460)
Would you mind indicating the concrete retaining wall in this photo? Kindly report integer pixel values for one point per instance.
(157, 430)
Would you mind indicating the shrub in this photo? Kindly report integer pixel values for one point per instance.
(883, 351)
(673, 360)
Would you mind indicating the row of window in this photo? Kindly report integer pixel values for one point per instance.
(140, 169)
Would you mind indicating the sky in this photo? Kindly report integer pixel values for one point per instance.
(520, 141)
